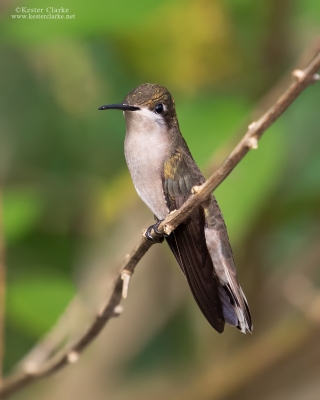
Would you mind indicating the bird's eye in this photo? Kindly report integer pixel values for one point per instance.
(159, 108)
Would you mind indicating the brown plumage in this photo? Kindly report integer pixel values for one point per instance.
(163, 172)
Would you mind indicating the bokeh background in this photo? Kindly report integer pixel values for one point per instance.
(70, 213)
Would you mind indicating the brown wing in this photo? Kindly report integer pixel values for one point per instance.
(234, 304)
(188, 242)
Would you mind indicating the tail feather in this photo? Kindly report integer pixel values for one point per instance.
(235, 306)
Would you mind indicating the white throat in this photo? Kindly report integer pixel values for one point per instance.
(147, 145)
(144, 119)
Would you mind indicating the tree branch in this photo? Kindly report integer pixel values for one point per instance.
(112, 308)
(302, 79)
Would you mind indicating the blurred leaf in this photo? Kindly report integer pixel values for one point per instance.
(34, 304)
(22, 210)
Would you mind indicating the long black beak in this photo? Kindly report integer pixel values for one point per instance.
(121, 106)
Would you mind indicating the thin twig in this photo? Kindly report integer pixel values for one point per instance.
(43, 350)
(302, 78)
(110, 310)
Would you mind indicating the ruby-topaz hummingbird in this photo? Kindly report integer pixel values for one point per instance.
(163, 172)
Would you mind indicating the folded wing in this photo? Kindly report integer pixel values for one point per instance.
(201, 247)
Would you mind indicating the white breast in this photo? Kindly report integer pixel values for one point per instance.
(146, 147)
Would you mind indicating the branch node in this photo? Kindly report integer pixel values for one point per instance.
(30, 368)
(125, 276)
(35, 368)
(168, 229)
(73, 357)
(195, 189)
(316, 78)
(298, 74)
(253, 143)
(252, 125)
(117, 310)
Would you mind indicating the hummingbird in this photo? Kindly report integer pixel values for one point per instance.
(164, 172)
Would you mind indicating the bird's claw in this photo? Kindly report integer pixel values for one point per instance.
(155, 229)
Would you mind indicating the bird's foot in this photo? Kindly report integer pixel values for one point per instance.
(155, 229)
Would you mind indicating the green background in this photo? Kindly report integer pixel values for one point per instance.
(71, 213)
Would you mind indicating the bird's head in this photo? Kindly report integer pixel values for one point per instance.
(150, 104)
